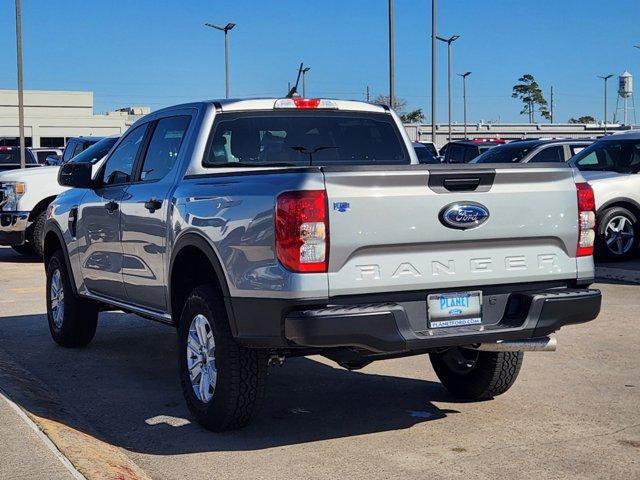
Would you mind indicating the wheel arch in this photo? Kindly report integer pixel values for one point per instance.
(195, 262)
(54, 241)
(40, 207)
(628, 203)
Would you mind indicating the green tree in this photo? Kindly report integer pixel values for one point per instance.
(399, 106)
(529, 92)
(583, 119)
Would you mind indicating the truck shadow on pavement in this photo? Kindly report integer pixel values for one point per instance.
(124, 389)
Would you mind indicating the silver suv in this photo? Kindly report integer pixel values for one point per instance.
(612, 168)
(273, 228)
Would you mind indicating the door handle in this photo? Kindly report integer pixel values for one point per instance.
(111, 206)
(152, 205)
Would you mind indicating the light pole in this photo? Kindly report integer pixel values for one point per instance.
(224, 29)
(391, 56)
(20, 82)
(449, 41)
(304, 81)
(464, 99)
(433, 70)
(605, 78)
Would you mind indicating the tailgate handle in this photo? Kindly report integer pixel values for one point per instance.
(461, 184)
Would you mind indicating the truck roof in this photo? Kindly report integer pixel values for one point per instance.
(248, 104)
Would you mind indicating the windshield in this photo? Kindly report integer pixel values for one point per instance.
(622, 156)
(305, 138)
(95, 152)
(504, 154)
(12, 157)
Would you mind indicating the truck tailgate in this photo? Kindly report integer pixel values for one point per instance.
(387, 234)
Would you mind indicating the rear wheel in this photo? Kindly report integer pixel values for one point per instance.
(222, 382)
(476, 375)
(72, 319)
(617, 234)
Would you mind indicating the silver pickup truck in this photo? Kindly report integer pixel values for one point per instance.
(272, 228)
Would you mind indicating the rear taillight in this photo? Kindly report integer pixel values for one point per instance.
(302, 230)
(586, 220)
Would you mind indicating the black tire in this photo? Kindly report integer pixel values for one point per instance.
(241, 372)
(616, 251)
(76, 326)
(484, 376)
(35, 234)
(24, 249)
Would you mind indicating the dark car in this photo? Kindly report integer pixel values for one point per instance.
(524, 151)
(424, 153)
(10, 158)
(463, 151)
(74, 146)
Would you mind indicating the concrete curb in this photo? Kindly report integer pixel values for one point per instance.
(87, 456)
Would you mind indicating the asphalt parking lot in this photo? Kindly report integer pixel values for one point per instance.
(117, 406)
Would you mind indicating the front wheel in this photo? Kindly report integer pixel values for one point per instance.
(476, 375)
(222, 382)
(72, 319)
(617, 234)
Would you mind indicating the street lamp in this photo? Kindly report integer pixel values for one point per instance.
(433, 70)
(605, 78)
(391, 56)
(449, 41)
(464, 99)
(224, 29)
(20, 83)
(304, 81)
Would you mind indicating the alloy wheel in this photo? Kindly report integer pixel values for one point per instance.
(56, 295)
(619, 235)
(201, 361)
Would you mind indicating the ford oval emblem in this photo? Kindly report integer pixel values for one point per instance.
(464, 215)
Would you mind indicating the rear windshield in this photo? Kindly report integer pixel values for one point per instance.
(622, 156)
(504, 154)
(12, 157)
(95, 152)
(304, 138)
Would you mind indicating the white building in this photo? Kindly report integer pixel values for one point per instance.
(51, 117)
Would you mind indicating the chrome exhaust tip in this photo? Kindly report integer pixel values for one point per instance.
(542, 344)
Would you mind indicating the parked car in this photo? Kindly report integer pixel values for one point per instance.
(431, 147)
(612, 167)
(272, 228)
(463, 151)
(10, 159)
(26, 194)
(524, 151)
(424, 154)
(74, 146)
(42, 153)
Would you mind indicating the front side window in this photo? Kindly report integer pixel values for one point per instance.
(119, 166)
(164, 147)
(622, 156)
(69, 150)
(304, 138)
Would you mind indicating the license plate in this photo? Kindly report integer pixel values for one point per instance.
(454, 309)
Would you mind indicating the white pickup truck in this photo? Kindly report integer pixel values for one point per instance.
(25, 195)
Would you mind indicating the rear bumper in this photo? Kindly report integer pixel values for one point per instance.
(400, 326)
(13, 227)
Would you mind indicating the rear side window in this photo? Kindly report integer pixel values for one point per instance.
(622, 156)
(549, 154)
(164, 147)
(304, 138)
(119, 165)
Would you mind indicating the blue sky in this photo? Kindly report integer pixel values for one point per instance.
(157, 53)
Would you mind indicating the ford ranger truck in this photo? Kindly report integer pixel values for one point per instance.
(271, 228)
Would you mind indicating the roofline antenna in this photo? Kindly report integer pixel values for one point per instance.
(294, 91)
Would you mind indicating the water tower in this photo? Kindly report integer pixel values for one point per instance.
(625, 92)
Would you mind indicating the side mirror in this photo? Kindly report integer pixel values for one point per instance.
(76, 175)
